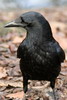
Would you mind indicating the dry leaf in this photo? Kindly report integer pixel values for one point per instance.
(12, 48)
(4, 45)
(16, 95)
(64, 64)
(66, 56)
(18, 39)
(41, 87)
(62, 41)
(11, 83)
(2, 72)
(63, 73)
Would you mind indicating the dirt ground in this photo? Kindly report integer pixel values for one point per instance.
(11, 80)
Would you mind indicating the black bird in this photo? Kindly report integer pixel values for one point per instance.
(40, 54)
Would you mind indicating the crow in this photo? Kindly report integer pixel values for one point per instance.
(40, 54)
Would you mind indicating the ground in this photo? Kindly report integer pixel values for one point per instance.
(11, 80)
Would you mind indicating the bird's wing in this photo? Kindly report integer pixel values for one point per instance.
(43, 56)
(52, 52)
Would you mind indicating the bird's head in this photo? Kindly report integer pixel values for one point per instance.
(26, 20)
(31, 21)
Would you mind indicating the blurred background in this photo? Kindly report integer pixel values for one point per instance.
(28, 4)
(55, 11)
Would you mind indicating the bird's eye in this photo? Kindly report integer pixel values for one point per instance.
(29, 25)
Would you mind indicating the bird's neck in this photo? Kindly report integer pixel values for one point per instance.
(39, 35)
(34, 35)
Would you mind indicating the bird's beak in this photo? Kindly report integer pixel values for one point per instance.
(11, 24)
(14, 24)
